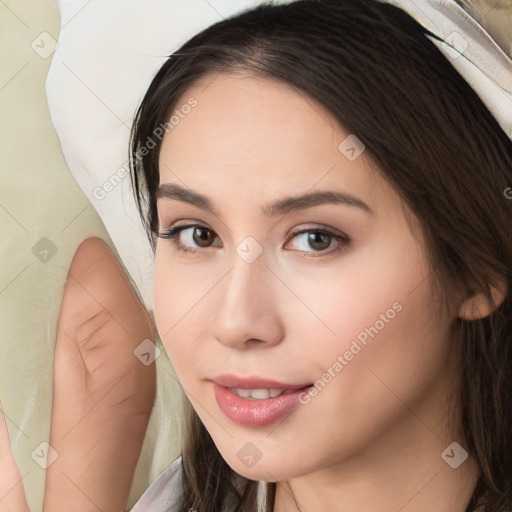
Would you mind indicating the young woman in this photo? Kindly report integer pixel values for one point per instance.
(333, 261)
(330, 205)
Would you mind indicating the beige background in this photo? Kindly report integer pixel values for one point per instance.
(44, 216)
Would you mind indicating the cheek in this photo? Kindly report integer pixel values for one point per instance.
(173, 298)
(373, 308)
(357, 291)
(181, 307)
(388, 342)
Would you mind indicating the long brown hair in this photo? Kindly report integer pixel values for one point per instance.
(372, 66)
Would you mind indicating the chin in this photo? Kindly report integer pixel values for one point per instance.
(260, 473)
(266, 470)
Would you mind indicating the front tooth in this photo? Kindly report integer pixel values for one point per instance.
(260, 394)
(257, 394)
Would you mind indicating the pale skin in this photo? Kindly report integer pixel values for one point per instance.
(373, 438)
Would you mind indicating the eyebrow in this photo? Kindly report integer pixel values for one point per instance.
(283, 206)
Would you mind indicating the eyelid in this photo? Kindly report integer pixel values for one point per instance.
(305, 228)
(176, 229)
(174, 226)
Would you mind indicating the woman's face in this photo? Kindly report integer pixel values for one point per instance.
(301, 270)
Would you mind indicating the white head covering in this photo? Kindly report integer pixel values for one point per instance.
(471, 51)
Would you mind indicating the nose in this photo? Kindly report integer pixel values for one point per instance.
(247, 309)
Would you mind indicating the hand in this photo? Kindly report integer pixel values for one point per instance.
(103, 394)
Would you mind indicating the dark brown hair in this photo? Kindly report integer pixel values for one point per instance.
(375, 70)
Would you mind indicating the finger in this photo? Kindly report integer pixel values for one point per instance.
(12, 493)
(98, 439)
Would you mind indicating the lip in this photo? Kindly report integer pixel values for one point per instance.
(255, 413)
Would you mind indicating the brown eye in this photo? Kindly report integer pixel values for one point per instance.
(203, 237)
(319, 240)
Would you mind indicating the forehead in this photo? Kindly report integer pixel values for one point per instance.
(260, 138)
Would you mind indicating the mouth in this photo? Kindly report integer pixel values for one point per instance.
(256, 402)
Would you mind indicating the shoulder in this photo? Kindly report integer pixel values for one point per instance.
(164, 493)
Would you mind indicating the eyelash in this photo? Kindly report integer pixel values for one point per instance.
(173, 235)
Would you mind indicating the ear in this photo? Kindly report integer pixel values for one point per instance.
(478, 305)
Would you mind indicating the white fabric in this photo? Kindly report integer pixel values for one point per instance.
(164, 493)
(471, 51)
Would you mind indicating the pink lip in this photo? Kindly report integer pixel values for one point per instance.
(255, 413)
